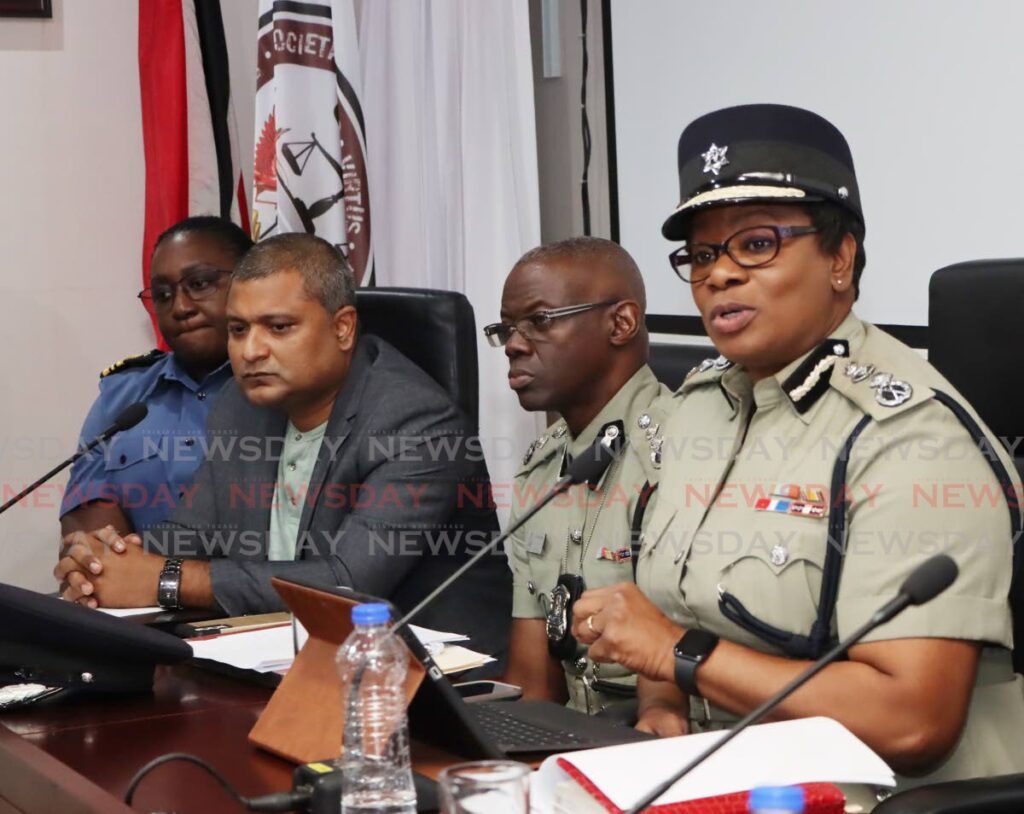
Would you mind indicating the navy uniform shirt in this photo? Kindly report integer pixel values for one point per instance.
(146, 469)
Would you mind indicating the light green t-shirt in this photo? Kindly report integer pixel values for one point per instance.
(293, 473)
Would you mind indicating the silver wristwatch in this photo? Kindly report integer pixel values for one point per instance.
(168, 587)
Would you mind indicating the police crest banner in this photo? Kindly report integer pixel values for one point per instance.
(309, 171)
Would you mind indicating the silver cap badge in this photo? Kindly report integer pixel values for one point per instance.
(714, 158)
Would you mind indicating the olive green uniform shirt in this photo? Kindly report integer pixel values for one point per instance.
(587, 530)
(916, 485)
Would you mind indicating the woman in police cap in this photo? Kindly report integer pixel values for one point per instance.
(813, 426)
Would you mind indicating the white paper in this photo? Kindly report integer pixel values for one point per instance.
(807, 750)
(122, 612)
(454, 659)
(263, 649)
(429, 637)
(273, 649)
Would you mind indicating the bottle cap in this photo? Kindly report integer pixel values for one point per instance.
(777, 798)
(371, 613)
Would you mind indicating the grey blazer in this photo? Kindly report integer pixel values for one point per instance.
(398, 499)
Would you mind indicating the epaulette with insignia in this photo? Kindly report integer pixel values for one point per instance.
(557, 432)
(648, 436)
(142, 360)
(710, 369)
(884, 378)
(877, 392)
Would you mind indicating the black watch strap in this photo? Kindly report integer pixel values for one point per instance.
(691, 651)
(168, 587)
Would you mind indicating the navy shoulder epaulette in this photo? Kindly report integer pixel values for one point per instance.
(142, 360)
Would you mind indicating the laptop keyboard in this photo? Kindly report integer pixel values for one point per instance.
(510, 732)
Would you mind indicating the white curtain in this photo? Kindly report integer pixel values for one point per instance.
(452, 156)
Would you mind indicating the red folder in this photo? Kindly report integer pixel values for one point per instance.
(819, 798)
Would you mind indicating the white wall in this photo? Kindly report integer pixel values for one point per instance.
(926, 92)
(71, 222)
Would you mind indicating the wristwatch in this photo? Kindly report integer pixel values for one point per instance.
(691, 651)
(168, 587)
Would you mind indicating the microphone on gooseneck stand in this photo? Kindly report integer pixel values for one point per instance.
(588, 466)
(925, 582)
(125, 420)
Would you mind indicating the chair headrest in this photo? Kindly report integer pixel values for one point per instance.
(975, 332)
(435, 329)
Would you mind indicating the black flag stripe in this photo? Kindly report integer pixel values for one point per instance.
(218, 91)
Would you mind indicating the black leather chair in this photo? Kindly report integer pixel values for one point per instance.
(975, 331)
(975, 336)
(671, 362)
(435, 329)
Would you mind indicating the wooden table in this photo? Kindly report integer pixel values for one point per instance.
(78, 758)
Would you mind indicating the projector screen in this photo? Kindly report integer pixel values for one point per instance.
(927, 92)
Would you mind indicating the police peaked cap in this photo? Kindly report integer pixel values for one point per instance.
(770, 153)
(48, 641)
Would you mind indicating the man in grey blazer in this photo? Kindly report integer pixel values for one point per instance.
(331, 458)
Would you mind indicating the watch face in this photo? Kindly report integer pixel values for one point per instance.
(696, 644)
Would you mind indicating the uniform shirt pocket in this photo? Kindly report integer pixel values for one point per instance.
(127, 449)
(776, 573)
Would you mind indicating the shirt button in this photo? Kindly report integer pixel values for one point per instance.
(124, 459)
(291, 467)
(201, 395)
(298, 436)
(190, 442)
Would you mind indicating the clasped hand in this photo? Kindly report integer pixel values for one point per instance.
(105, 568)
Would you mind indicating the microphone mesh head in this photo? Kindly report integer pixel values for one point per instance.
(590, 464)
(130, 416)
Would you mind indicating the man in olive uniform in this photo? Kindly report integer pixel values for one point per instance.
(573, 331)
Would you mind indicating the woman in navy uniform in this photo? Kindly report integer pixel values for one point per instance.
(839, 461)
(134, 480)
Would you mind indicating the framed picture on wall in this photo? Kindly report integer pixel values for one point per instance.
(26, 8)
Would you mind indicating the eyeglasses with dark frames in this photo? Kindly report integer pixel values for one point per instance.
(199, 285)
(750, 248)
(533, 326)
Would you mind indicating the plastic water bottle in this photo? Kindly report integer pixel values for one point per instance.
(776, 800)
(376, 768)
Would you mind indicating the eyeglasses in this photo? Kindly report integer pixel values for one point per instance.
(534, 326)
(751, 247)
(200, 285)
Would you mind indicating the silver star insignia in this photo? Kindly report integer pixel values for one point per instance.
(714, 158)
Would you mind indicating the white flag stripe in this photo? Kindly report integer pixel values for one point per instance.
(203, 180)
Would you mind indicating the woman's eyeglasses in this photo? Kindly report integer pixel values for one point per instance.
(199, 285)
(751, 247)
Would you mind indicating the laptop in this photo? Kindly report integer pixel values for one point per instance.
(439, 716)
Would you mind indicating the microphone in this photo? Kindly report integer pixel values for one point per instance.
(588, 466)
(925, 582)
(125, 420)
